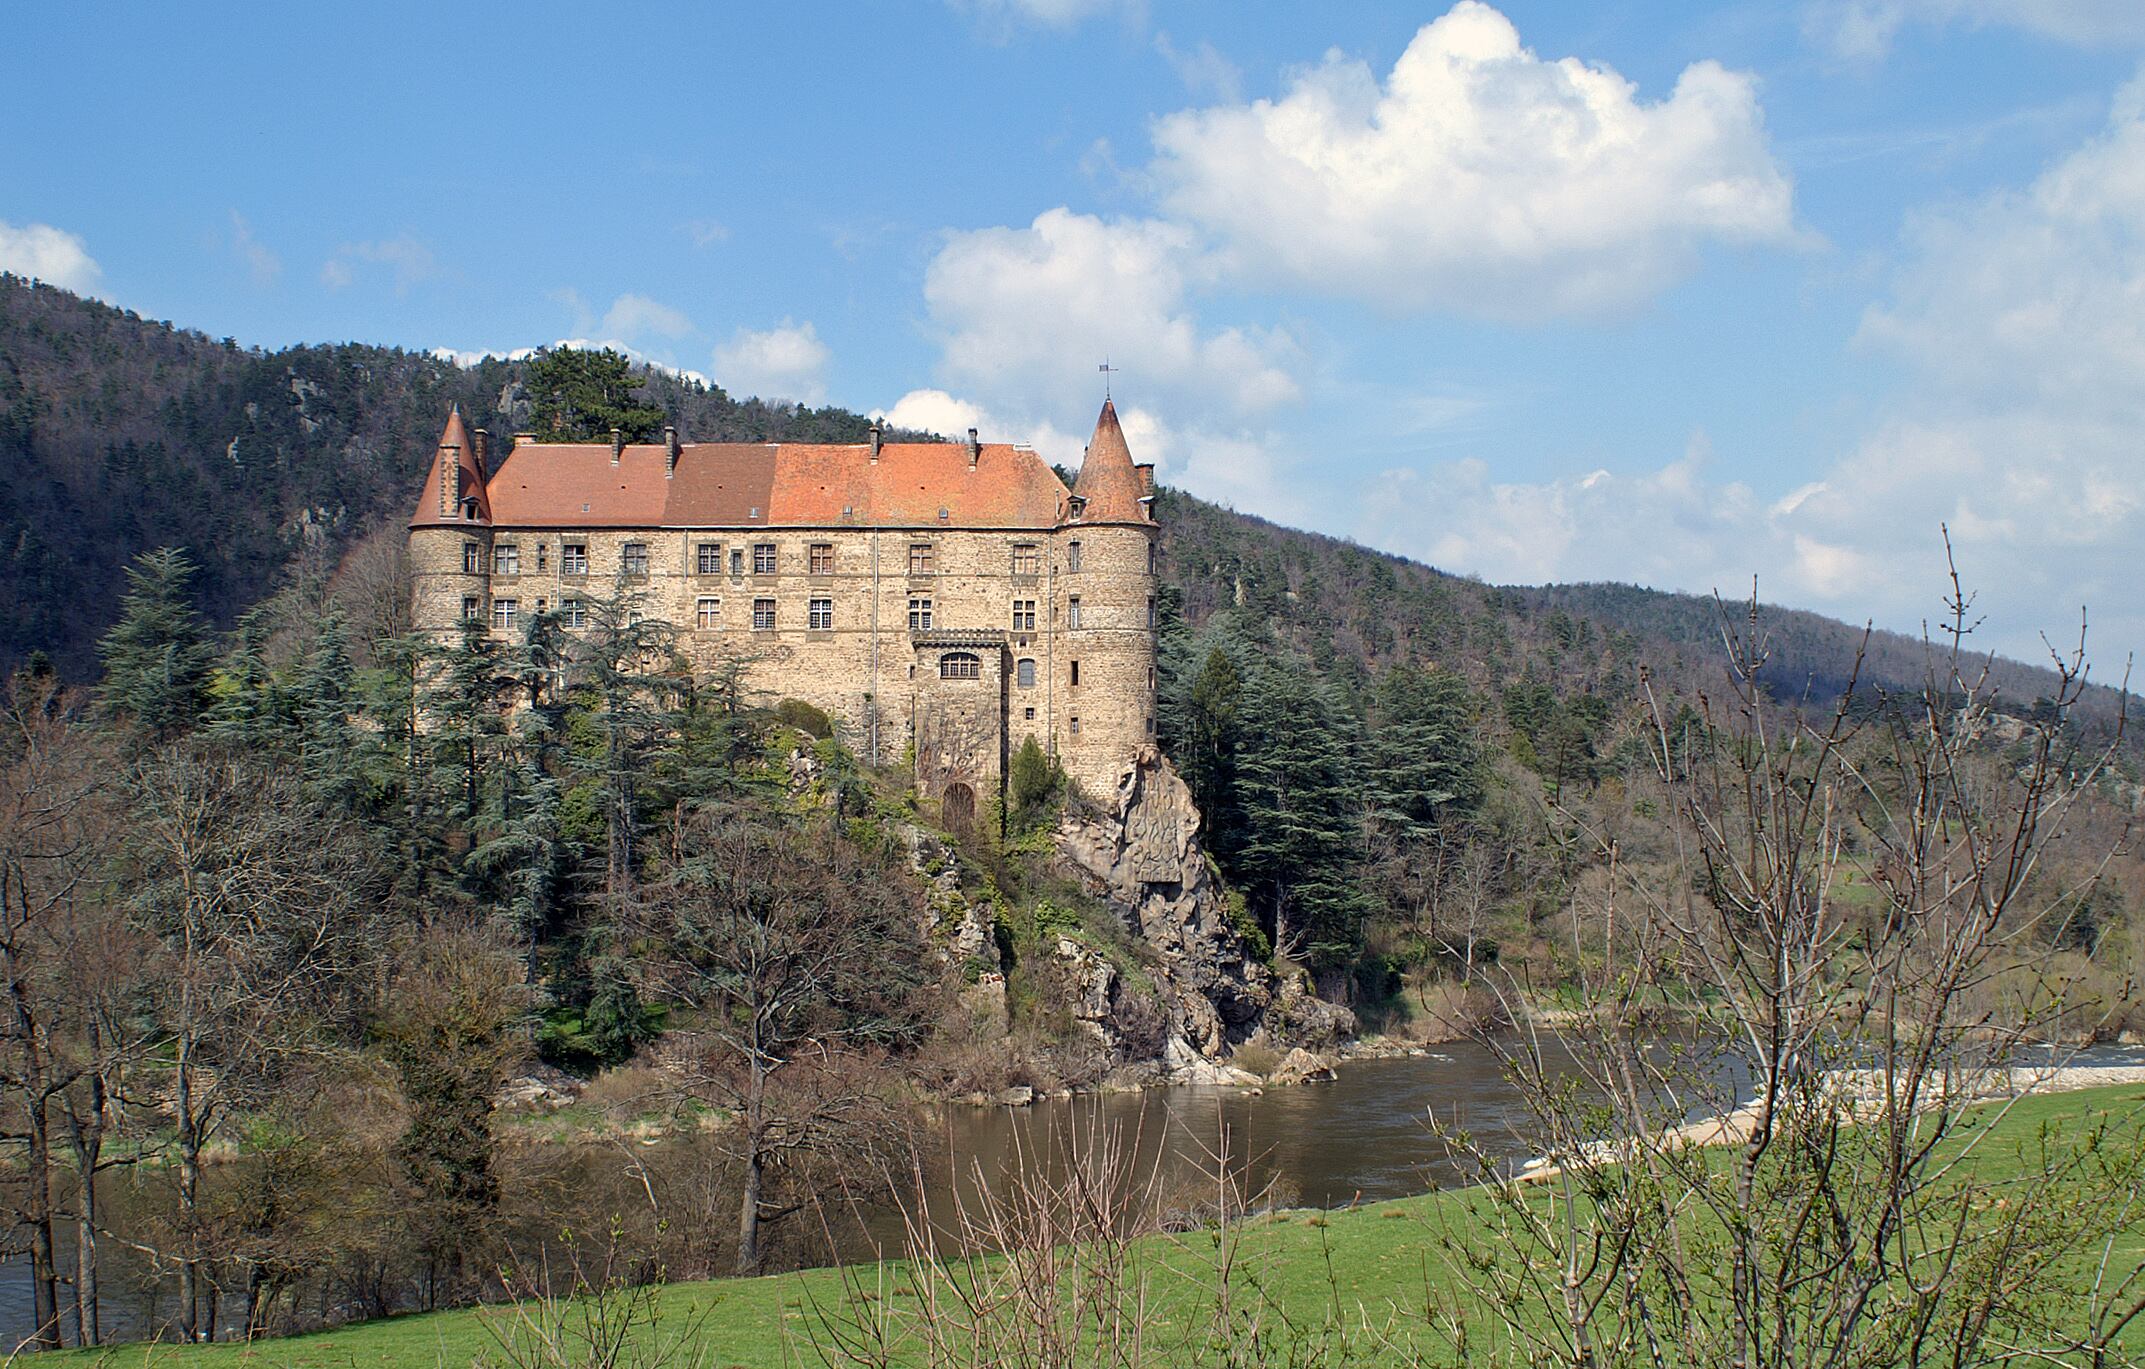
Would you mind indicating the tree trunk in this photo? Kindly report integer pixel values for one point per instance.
(748, 1212)
(44, 1269)
(189, 1194)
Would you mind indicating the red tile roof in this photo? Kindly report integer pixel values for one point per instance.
(787, 484)
(1108, 481)
(455, 446)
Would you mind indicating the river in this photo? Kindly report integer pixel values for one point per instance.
(1362, 1137)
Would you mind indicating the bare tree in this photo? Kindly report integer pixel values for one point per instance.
(260, 903)
(802, 963)
(1851, 918)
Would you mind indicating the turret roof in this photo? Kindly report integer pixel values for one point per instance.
(454, 445)
(1109, 483)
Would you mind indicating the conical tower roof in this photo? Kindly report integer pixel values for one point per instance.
(1108, 481)
(444, 491)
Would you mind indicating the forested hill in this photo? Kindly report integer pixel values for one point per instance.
(120, 434)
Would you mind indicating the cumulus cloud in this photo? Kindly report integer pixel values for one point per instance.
(406, 261)
(1203, 70)
(261, 263)
(1026, 314)
(1863, 30)
(52, 255)
(2018, 322)
(639, 316)
(787, 361)
(1478, 177)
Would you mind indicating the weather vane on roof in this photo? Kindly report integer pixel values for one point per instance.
(1107, 371)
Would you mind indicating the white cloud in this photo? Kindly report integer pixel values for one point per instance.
(1001, 16)
(784, 362)
(707, 232)
(2020, 320)
(466, 357)
(638, 316)
(263, 264)
(1203, 70)
(1478, 177)
(1863, 30)
(406, 260)
(52, 255)
(1027, 314)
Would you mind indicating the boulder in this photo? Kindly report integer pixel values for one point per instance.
(1300, 1066)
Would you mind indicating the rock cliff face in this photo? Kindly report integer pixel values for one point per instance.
(1144, 858)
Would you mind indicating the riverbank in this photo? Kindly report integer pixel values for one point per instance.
(1376, 1254)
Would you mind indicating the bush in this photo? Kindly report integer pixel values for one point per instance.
(1033, 789)
(811, 721)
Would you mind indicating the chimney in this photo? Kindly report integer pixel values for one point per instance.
(618, 445)
(975, 449)
(525, 439)
(1146, 470)
(450, 480)
(670, 446)
(484, 441)
(878, 439)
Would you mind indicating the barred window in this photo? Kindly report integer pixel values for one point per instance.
(707, 613)
(1024, 615)
(633, 558)
(1027, 560)
(506, 559)
(1024, 672)
(763, 615)
(822, 562)
(573, 612)
(819, 617)
(959, 665)
(504, 613)
(1076, 724)
(708, 558)
(573, 558)
(919, 615)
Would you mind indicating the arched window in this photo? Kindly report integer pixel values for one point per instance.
(1024, 672)
(959, 665)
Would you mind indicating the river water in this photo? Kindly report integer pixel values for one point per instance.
(1362, 1137)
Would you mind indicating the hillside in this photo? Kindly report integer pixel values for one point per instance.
(125, 434)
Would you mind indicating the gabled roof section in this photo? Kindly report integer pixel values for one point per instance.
(1109, 483)
(455, 475)
(788, 484)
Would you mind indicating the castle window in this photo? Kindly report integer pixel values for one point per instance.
(919, 615)
(472, 610)
(819, 617)
(822, 559)
(1075, 720)
(1150, 727)
(506, 559)
(573, 558)
(1150, 611)
(707, 558)
(737, 560)
(763, 558)
(504, 613)
(1026, 559)
(919, 558)
(543, 557)
(707, 613)
(1072, 612)
(540, 605)
(763, 615)
(472, 559)
(1024, 673)
(574, 614)
(1076, 672)
(959, 665)
(633, 559)
(1150, 558)
(1072, 557)
(1028, 713)
(1024, 615)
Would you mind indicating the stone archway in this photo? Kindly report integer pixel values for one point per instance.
(957, 806)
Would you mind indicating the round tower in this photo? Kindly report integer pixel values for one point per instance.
(451, 538)
(1105, 613)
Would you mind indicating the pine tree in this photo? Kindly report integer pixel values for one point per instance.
(580, 396)
(1423, 761)
(158, 660)
(1302, 842)
(624, 669)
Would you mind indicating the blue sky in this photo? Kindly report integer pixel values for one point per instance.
(1674, 293)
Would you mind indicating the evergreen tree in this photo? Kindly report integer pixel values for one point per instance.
(1423, 762)
(158, 660)
(579, 396)
(625, 673)
(1302, 843)
(465, 730)
(249, 713)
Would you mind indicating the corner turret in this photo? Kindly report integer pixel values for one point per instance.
(1110, 488)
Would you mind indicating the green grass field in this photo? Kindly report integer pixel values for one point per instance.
(1379, 1256)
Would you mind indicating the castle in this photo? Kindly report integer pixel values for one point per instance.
(951, 596)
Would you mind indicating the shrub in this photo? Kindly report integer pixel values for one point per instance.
(811, 721)
(1034, 787)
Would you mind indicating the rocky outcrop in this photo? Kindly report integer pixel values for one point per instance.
(1143, 856)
